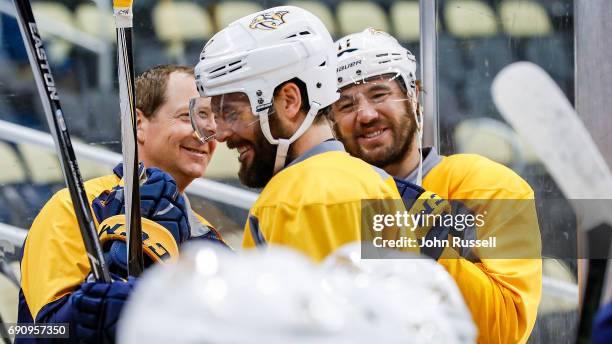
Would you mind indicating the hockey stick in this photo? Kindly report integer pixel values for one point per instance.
(55, 118)
(123, 23)
(6, 270)
(6, 338)
(539, 111)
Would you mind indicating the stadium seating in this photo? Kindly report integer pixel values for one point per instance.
(56, 14)
(489, 54)
(19, 200)
(149, 52)
(226, 12)
(469, 19)
(523, 18)
(405, 19)
(90, 19)
(552, 53)
(476, 89)
(13, 170)
(321, 10)
(42, 165)
(451, 65)
(90, 169)
(102, 111)
(492, 139)
(448, 103)
(178, 22)
(354, 16)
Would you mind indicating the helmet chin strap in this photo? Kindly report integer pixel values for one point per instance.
(418, 118)
(283, 144)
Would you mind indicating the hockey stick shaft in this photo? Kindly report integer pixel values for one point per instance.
(4, 332)
(6, 270)
(55, 118)
(125, 64)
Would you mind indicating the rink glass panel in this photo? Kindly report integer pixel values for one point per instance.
(475, 40)
(471, 52)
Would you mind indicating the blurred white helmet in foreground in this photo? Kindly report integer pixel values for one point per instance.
(279, 296)
(412, 297)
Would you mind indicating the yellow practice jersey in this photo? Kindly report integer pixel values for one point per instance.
(54, 262)
(503, 286)
(314, 204)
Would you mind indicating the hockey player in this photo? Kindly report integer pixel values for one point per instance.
(378, 119)
(271, 77)
(54, 265)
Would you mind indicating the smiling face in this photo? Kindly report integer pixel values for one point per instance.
(375, 121)
(166, 139)
(239, 128)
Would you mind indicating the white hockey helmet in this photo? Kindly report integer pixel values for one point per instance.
(371, 53)
(258, 52)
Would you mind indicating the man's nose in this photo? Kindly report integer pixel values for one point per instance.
(223, 132)
(366, 112)
(210, 127)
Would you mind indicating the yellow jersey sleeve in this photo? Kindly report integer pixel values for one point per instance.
(54, 260)
(502, 286)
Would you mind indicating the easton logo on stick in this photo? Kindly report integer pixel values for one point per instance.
(268, 20)
(43, 62)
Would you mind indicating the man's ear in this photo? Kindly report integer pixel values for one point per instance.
(288, 101)
(141, 126)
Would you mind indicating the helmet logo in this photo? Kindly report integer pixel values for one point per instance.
(268, 20)
(348, 65)
(374, 31)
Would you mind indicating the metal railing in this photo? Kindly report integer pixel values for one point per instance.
(200, 187)
(76, 37)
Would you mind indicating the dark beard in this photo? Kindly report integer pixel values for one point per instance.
(403, 137)
(403, 134)
(260, 171)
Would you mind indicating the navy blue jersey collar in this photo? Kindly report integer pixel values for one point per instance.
(431, 158)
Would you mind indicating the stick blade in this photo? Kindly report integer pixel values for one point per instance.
(537, 109)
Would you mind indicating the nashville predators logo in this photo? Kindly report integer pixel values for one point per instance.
(374, 32)
(268, 20)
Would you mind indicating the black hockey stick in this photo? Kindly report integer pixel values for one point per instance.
(5, 270)
(538, 110)
(4, 332)
(125, 64)
(55, 118)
